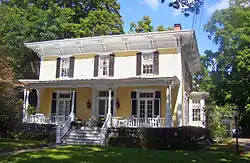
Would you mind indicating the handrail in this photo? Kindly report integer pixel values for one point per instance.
(104, 130)
(62, 130)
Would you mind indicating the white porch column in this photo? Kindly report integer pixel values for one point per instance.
(169, 121)
(38, 100)
(72, 113)
(93, 106)
(203, 116)
(25, 104)
(109, 102)
(109, 107)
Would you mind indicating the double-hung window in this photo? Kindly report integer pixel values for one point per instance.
(196, 110)
(104, 66)
(147, 63)
(64, 72)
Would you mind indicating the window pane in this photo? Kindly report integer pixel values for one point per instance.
(157, 107)
(102, 107)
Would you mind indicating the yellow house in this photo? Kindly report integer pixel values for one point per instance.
(129, 80)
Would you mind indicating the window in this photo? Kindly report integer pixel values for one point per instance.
(147, 63)
(104, 66)
(64, 67)
(196, 110)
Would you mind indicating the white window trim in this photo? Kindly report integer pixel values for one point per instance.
(192, 107)
(60, 74)
(142, 62)
(58, 99)
(100, 69)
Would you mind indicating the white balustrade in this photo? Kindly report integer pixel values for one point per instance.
(42, 119)
(138, 122)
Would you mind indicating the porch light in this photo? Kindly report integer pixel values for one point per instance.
(88, 104)
(117, 104)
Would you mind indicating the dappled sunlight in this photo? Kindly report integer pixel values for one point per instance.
(97, 154)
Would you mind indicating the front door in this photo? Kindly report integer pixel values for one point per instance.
(63, 109)
(103, 107)
(146, 108)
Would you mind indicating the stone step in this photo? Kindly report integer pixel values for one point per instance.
(83, 138)
(82, 143)
(85, 131)
(84, 134)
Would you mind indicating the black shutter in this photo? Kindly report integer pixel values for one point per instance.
(58, 65)
(75, 102)
(111, 64)
(134, 103)
(157, 103)
(71, 66)
(138, 63)
(156, 63)
(53, 104)
(96, 65)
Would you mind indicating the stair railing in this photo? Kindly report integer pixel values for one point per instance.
(104, 130)
(61, 130)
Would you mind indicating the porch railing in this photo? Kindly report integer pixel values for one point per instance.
(42, 119)
(138, 122)
(61, 130)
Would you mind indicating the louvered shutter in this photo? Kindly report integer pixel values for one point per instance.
(134, 103)
(53, 104)
(138, 63)
(58, 65)
(157, 103)
(71, 66)
(156, 63)
(111, 64)
(96, 65)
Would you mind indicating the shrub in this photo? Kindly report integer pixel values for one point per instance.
(160, 138)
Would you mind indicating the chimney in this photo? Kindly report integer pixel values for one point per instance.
(177, 27)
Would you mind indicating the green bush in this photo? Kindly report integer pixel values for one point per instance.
(159, 138)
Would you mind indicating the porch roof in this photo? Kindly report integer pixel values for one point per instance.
(97, 82)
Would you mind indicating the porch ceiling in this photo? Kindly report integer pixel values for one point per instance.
(96, 82)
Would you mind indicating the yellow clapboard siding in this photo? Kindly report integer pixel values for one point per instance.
(50, 58)
(167, 51)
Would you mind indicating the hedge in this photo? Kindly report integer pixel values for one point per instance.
(160, 138)
(42, 132)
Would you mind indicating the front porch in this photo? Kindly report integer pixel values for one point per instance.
(110, 103)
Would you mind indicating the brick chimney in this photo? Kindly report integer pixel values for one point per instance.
(177, 27)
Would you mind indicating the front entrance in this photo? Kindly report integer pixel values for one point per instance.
(102, 103)
(146, 108)
(63, 107)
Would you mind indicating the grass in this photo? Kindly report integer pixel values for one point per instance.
(85, 154)
(11, 145)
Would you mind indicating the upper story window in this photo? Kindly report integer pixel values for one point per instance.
(104, 66)
(147, 63)
(196, 110)
(64, 68)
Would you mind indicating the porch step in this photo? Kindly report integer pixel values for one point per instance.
(83, 136)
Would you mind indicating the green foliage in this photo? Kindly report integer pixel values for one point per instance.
(144, 25)
(41, 20)
(159, 138)
(31, 109)
(226, 73)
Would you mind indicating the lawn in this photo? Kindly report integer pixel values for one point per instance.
(7, 145)
(84, 154)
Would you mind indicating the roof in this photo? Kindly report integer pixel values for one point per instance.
(72, 82)
(115, 43)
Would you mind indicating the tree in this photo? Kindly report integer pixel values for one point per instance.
(186, 6)
(41, 20)
(230, 74)
(144, 25)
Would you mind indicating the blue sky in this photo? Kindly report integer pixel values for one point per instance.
(134, 10)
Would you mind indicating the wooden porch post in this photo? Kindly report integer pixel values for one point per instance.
(169, 121)
(109, 106)
(73, 106)
(38, 100)
(25, 103)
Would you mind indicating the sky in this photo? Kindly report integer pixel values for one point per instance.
(161, 14)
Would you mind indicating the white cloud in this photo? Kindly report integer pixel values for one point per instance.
(222, 4)
(152, 3)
